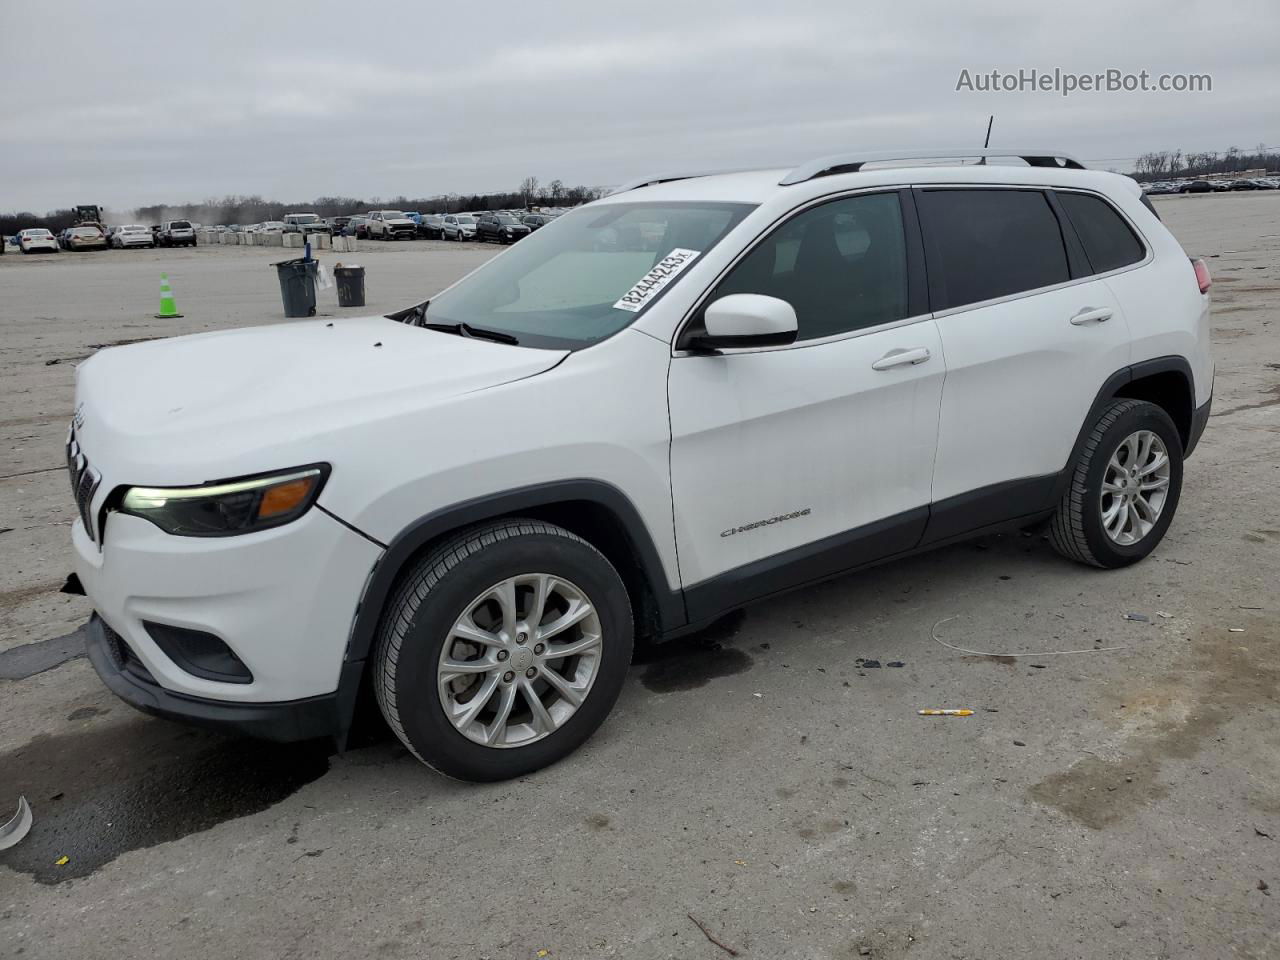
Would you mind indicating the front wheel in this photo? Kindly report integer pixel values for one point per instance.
(1124, 487)
(503, 650)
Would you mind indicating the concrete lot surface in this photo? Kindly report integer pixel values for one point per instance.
(763, 778)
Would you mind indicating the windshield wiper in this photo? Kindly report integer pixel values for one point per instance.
(475, 333)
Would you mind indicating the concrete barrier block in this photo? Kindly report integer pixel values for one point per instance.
(293, 240)
(274, 239)
(320, 241)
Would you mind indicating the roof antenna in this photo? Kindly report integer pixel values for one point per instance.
(982, 161)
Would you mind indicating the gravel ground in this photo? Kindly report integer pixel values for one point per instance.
(763, 777)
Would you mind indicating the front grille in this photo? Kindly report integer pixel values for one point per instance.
(84, 483)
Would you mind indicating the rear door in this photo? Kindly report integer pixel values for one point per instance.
(1030, 338)
(792, 463)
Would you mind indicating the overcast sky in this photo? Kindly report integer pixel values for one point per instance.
(130, 103)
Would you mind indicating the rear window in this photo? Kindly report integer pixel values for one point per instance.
(1108, 241)
(179, 225)
(985, 244)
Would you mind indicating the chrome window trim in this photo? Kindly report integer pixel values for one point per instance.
(700, 302)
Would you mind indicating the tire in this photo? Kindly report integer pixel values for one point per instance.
(450, 583)
(1077, 529)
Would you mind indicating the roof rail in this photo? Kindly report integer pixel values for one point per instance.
(670, 177)
(853, 162)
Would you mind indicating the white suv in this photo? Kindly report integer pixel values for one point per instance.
(689, 395)
(391, 225)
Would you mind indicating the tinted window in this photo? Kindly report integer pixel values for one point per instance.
(841, 265)
(990, 243)
(1108, 241)
(180, 225)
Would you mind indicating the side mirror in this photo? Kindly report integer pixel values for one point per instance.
(746, 320)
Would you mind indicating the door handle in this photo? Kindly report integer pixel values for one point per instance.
(900, 358)
(1088, 314)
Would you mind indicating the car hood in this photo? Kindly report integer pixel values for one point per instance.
(216, 405)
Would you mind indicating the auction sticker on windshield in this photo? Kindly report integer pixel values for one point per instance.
(666, 270)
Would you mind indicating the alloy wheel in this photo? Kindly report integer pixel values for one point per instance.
(1135, 487)
(520, 660)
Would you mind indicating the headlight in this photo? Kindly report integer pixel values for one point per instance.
(225, 509)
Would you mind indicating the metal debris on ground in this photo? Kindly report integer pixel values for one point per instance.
(17, 827)
(1039, 653)
(1235, 629)
(710, 936)
(1138, 617)
(945, 713)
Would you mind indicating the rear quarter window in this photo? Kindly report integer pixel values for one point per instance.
(989, 243)
(1108, 241)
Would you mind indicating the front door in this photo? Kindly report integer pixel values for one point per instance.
(792, 463)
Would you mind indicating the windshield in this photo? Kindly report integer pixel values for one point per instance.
(506, 219)
(466, 219)
(564, 286)
(392, 215)
(304, 218)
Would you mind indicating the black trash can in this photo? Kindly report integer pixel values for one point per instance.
(298, 286)
(350, 282)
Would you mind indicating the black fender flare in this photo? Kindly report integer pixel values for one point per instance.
(434, 525)
(1112, 386)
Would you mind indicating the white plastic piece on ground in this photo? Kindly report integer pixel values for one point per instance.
(18, 827)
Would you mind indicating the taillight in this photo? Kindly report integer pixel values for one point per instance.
(1202, 275)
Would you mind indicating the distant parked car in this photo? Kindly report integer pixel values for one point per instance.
(34, 239)
(536, 221)
(1243, 183)
(177, 233)
(391, 225)
(461, 226)
(431, 226)
(271, 226)
(131, 235)
(305, 224)
(336, 224)
(500, 228)
(358, 227)
(1195, 186)
(86, 236)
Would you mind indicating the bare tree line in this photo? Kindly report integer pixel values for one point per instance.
(1161, 164)
(255, 209)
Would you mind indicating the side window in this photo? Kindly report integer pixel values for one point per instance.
(983, 244)
(1108, 241)
(841, 265)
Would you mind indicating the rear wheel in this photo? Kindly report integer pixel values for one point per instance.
(503, 650)
(1124, 487)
